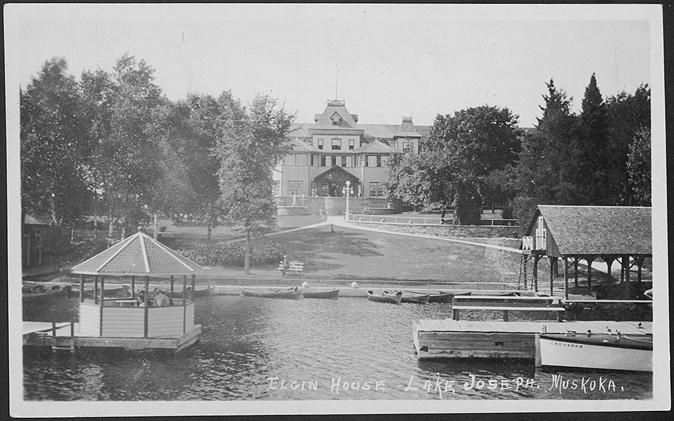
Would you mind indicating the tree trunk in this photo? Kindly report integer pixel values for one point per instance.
(246, 255)
(210, 229)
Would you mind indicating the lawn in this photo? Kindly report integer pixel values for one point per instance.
(354, 254)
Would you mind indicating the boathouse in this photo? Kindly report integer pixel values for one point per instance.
(123, 320)
(614, 234)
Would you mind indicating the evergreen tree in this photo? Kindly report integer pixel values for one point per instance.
(594, 146)
(639, 168)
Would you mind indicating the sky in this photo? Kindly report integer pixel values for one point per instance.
(385, 61)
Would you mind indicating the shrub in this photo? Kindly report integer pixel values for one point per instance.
(263, 252)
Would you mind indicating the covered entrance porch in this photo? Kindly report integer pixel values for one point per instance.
(331, 182)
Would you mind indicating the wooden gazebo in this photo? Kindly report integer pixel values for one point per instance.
(573, 233)
(126, 321)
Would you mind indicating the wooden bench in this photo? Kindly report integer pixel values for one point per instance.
(293, 266)
(507, 304)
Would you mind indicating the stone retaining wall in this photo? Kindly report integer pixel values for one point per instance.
(454, 231)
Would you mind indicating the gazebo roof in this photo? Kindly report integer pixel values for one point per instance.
(138, 255)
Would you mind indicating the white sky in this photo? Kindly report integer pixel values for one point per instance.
(387, 61)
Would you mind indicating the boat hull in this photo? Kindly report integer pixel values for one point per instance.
(444, 297)
(385, 297)
(290, 294)
(594, 353)
(333, 294)
(415, 299)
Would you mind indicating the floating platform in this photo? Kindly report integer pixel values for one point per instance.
(67, 336)
(502, 340)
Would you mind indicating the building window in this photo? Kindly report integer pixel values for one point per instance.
(333, 161)
(377, 189)
(295, 187)
(325, 190)
(351, 144)
(277, 188)
(384, 161)
(317, 160)
(301, 159)
(320, 143)
(336, 144)
(322, 160)
(407, 146)
(349, 161)
(359, 161)
(372, 161)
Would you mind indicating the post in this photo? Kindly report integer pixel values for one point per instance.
(535, 274)
(589, 259)
(505, 315)
(171, 286)
(552, 272)
(524, 270)
(102, 301)
(95, 289)
(194, 291)
(53, 329)
(147, 306)
(575, 271)
(81, 288)
(184, 302)
(133, 287)
(566, 279)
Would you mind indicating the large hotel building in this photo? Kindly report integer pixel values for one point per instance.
(336, 148)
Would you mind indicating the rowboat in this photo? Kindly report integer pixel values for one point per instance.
(597, 351)
(293, 293)
(415, 297)
(321, 294)
(444, 297)
(385, 297)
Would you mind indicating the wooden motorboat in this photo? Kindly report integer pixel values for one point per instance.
(334, 293)
(597, 351)
(385, 296)
(444, 297)
(415, 297)
(40, 292)
(292, 293)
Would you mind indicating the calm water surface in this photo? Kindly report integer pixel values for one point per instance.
(256, 348)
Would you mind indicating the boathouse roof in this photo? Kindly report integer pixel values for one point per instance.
(137, 255)
(598, 230)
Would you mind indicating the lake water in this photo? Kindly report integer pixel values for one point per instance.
(268, 349)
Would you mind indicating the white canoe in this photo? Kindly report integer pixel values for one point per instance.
(597, 351)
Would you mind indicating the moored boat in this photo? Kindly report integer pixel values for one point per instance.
(597, 351)
(444, 297)
(292, 293)
(415, 297)
(385, 296)
(334, 293)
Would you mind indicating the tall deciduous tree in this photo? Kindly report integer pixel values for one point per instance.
(628, 115)
(127, 160)
(457, 157)
(251, 146)
(53, 147)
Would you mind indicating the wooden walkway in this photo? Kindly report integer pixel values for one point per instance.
(497, 339)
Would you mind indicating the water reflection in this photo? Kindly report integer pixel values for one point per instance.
(256, 348)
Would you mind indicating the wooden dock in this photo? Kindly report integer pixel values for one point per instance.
(67, 336)
(498, 339)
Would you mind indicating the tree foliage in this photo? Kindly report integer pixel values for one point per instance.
(53, 147)
(639, 168)
(457, 157)
(250, 148)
